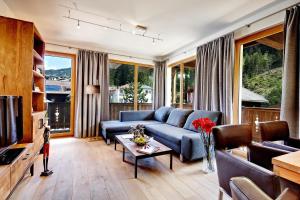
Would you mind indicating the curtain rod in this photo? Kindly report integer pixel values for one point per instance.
(246, 25)
(110, 53)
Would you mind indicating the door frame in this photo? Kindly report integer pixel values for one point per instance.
(238, 62)
(73, 87)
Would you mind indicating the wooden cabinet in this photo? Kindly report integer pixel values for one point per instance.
(5, 182)
(22, 72)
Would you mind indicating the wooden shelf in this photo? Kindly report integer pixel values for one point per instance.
(37, 74)
(37, 92)
(37, 58)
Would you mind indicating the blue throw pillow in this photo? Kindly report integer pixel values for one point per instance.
(213, 115)
(162, 113)
(178, 116)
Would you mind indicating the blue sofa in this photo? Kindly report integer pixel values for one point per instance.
(172, 127)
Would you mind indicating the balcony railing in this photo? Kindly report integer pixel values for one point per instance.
(59, 116)
(253, 115)
(115, 108)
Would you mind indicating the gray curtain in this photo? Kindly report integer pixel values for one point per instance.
(159, 84)
(290, 79)
(90, 109)
(213, 81)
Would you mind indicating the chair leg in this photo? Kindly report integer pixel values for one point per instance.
(108, 141)
(181, 158)
(220, 194)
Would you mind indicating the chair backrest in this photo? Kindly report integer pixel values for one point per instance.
(232, 136)
(274, 130)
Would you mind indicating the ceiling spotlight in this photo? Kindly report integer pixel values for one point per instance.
(153, 41)
(78, 25)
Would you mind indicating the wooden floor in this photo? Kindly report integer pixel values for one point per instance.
(93, 170)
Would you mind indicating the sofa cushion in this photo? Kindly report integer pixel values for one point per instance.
(162, 113)
(178, 117)
(117, 126)
(213, 115)
(167, 132)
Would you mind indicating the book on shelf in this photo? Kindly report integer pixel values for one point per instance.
(148, 149)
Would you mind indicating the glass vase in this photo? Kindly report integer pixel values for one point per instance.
(209, 163)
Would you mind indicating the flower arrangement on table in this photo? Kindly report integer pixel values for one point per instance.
(139, 136)
(204, 126)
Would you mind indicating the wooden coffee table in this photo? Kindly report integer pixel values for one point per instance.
(131, 147)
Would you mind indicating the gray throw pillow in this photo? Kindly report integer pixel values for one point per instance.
(178, 116)
(162, 113)
(213, 115)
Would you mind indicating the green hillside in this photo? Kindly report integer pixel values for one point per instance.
(66, 72)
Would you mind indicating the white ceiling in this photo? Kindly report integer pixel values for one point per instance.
(179, 22)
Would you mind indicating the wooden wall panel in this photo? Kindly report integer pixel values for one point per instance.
(16, 65)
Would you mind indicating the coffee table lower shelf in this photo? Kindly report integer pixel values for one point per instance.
(131, 148)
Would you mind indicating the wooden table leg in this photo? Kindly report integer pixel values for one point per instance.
(115, 144)
(123, 154)
(171, 161)
(135, 168)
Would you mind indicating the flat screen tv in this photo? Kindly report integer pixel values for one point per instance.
(11, 123)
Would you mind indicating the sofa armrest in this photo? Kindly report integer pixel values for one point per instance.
(192, 147)
(136, 115)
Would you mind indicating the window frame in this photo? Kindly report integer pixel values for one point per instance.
(237, 80)
(73, 87)
(181, 65)
(135, 81)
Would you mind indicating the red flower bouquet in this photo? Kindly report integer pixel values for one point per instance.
(204, 126)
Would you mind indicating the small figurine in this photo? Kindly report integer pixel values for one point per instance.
(46, 148)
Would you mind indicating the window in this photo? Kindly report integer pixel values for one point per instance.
(259, 60)
(182, 84)
(58, 72)
(130, 87)
(175, 87)
(145, 87)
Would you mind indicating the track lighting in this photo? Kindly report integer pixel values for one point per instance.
(139, 31)
(78, 25)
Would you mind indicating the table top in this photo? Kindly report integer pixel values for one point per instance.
(290, 161)
(132, 147)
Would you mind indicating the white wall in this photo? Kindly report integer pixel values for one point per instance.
(5, 11)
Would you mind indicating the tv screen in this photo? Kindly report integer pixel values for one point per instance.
(11, 123)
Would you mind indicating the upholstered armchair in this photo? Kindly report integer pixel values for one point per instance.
(243, 188)
(229, 166)
(278, 131)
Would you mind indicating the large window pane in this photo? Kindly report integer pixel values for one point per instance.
(175, 87)
(262, 80)
(188, 86)
(58, 92)
(145, 88)
(121, 88)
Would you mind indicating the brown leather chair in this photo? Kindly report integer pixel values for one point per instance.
(229, 166)
(276, 131)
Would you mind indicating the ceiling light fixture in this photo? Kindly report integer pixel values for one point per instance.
(139, 30)
(78, 24)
